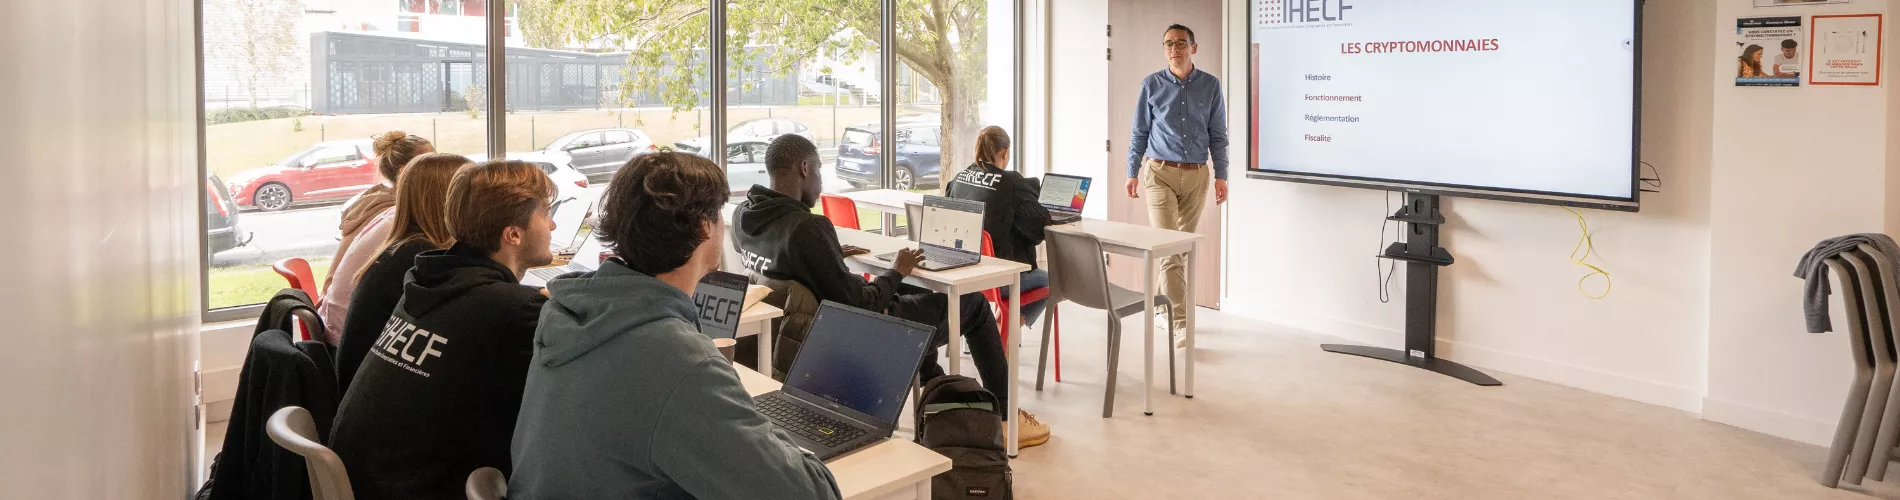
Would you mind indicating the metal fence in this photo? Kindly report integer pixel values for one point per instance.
(354, 73)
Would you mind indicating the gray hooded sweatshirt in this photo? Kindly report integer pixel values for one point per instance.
(626, 399)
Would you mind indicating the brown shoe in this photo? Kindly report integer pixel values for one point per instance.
(1029, 431)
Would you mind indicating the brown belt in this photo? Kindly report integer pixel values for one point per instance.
(1176, 164)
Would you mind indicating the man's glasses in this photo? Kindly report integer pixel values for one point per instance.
(1177, 45)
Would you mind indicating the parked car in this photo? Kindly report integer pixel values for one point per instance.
(759, 130)
(568, 181)
(598, 153)
(745, 164)
(919, 156)
(326, 171)
(221, 218)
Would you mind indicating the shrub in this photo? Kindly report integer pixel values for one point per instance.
(237, 115)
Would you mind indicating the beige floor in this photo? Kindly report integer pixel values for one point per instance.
(1275, 417)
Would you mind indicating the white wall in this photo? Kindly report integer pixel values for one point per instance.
(102, 297)
(1079, 45)
(1795, 166)
(1511, 302)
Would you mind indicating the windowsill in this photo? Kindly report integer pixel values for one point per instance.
(222, 347)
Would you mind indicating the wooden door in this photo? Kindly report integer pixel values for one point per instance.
(1135, 30)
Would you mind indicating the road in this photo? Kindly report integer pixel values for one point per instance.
(311, 232)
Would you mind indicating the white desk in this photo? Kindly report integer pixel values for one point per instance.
(757, 320)
(990, 273)
(894, 468)
(888, 201)
(1148, 244)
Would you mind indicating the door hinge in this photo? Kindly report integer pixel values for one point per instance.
(1111, 54)
(1111, 30)
(1108, 145)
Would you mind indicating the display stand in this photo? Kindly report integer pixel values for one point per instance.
(1422, 257)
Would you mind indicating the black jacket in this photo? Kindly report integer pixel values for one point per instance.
(437, 396)
(277, 373)
(780, 239)
(372, 303)
(1011, 213)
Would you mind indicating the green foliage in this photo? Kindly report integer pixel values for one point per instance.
(235, 115)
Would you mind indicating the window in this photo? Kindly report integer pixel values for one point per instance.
(617, 137)
(283, 91)
(291, 108)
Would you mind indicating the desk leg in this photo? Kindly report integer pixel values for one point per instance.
(765, 347)
(1148, 332)
(1013, 350)
(956, 333)
(923, 490)
(890, 224)
(1187, 259)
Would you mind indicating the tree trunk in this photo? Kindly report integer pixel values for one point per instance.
(958, 126)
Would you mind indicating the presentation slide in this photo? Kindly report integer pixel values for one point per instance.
(1494, 94)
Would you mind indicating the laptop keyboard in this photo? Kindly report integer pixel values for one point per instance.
(1063, 216)
(818, 427)
(549, 273)
(937, 259)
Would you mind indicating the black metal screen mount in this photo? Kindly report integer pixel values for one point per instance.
(1422, 257)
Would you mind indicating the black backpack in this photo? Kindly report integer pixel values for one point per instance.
(960, 419)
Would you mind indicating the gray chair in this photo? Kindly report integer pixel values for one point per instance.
(487, 483)
(292, 428)
(1878, 345)
(913, 220)
(1889, 304)
(1078, 274)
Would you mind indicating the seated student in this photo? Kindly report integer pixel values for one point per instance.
(779, 238)
(437, 396)
(625, 398)
(417, 226)
(1012, 213)
(366, 224)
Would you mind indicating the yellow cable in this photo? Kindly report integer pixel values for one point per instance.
(1588, 247)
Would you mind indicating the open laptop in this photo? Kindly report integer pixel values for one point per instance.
(952, 234)
(564, 217)
(720, 299)
(849, 383)
(1064, 196)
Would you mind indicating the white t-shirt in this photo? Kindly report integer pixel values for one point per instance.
(1785, 64)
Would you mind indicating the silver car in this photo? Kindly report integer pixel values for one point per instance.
(600, 152)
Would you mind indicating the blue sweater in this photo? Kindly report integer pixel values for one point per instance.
(626, 399)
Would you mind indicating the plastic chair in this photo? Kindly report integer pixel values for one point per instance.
(1888, 295)
(487, 483)
(292, 428)
(841, 210)
(1880, 347)
(1078, 274)
(1862, 354)
(297, 271)
(1001, 300)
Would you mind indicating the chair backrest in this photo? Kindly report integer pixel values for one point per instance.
(297, 272)
(914, 217)
(1076, 270)
(1889, 293)
(487, 483)
(292, 428)
(841, 210)
(1872, 307)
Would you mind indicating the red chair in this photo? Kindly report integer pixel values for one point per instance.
(841, 210)
(297, 271)
(1001, 301)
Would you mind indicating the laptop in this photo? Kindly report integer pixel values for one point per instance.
(720, 300)
(849, 383)
(574, 217)
(952, 234)
(1064, 196)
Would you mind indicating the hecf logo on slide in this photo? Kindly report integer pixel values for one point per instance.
(1303, 11)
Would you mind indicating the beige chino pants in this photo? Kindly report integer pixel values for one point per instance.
(1175, 198)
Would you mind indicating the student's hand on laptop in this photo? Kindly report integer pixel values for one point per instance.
(907, 261)
(853, 251)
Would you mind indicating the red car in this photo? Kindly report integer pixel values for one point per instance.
(326, 171)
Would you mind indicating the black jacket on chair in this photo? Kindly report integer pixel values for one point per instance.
(277, 373)
(1012, 213)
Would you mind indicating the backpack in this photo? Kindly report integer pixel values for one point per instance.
(959, 419)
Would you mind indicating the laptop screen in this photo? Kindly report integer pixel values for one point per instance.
(569, 216)
(860, 360)
(1064, 191)
(720, 299)
(953, 223)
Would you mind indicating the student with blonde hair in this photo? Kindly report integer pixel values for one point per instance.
(366, 217)
(419, 225)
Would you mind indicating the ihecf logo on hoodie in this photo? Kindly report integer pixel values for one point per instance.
(405, 345)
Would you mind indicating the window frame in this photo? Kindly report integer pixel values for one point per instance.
(500, 27)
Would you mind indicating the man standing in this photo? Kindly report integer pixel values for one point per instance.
(1180, 121)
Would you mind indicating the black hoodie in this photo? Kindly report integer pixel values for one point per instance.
(1012, 213)
(779, 238)
(377, 292)
(438, 394)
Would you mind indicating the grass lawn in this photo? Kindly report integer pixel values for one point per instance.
(243, 286)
